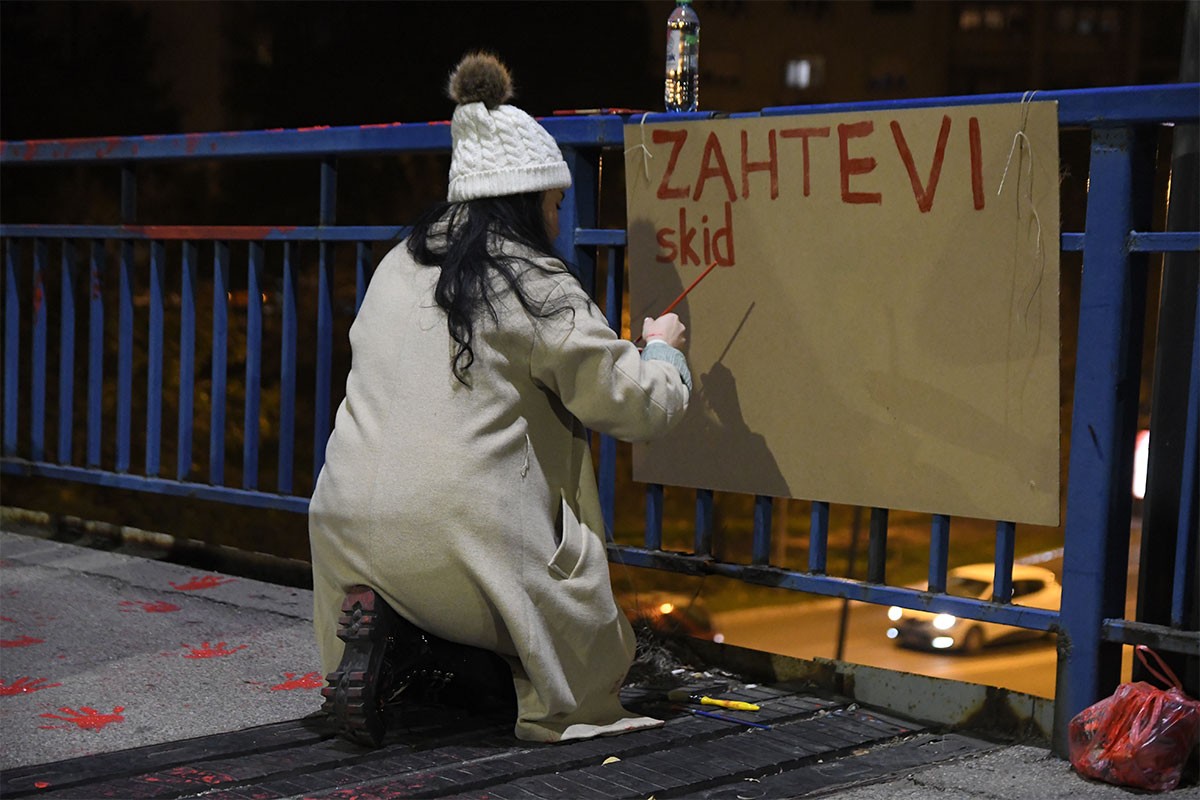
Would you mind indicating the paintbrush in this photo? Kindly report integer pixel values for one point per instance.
(682, 295)
(724, 718)
(684, 696)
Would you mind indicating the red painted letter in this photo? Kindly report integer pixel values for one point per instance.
(976, 162)
(677, 138)
(923, 194)
(771, 165)
(712, 151)
(856, 166)
(802, 134)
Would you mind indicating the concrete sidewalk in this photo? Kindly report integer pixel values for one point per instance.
(105, 653)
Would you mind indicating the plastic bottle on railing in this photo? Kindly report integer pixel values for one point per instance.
(683, 58)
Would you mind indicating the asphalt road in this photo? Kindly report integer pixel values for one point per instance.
(807, 630)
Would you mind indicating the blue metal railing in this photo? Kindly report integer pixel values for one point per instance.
(1091, 624)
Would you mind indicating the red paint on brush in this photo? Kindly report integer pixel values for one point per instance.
(207, 650)
(24, 685)
(205, 582)
(311, 680)
(88, 719)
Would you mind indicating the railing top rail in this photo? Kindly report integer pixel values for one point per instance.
(1119, 105)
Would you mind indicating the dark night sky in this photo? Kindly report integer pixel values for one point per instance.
(103, 68)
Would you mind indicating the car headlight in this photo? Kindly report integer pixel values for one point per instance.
(894, 613)
(944, 622)
(942, 642)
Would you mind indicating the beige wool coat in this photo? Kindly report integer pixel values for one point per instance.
(473, 510)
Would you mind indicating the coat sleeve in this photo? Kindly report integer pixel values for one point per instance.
(602, 379)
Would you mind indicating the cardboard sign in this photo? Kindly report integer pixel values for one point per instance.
(882, 328)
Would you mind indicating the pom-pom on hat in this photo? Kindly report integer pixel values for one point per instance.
(498, 149)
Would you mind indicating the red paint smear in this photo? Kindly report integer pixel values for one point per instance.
(38, 295)
(24, 641)
(381, 125)
(30, 150)
(189, 775)
(206, 582)
(234, 232)
(107, 146)
(4, 562)
(161, 607)
(191, 142)
(89, 719)
(7, 619)
(24, 685)
(314, 128)
(207, 650)
(41, 784)
(311, 680)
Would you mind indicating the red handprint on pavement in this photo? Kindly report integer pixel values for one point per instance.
(24, 641)
(207, 650)
(311, 680)
(160, 607)
(24, 685)
(205, 582)
(89, 719)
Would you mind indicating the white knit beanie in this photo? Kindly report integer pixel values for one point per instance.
(498, 149)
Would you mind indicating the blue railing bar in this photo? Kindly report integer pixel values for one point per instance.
(654, 516)
(1170, 242)
(818, 538)
(1006, 543)
(232, 233)
(583, 131)
(324, 367)
(614, 282)
(287, 374)
(362, 273)
(599, 237)
(165, 486)
(66, 357)
(939, 552)
(37, 381)
(12, 347)
(760, 545)
(881, 594)
(1185, 538)
(95, 398)
(877, 546)
(1072, 242)
(220, 331)
(1093, 572)
(124, 355)
(154, 357)
(187, 359)
(1160, 637)
(704, 523)
(1111, 106)
(254, 309)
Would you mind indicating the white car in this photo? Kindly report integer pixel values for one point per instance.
(1032, 586)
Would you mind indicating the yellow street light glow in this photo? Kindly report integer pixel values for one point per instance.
(667, 608)
(894, 613)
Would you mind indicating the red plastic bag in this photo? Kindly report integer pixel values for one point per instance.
(1141, 736)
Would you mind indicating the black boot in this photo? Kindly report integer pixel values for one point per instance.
(382, 652)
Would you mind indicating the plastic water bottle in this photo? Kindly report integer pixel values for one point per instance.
(683, 58)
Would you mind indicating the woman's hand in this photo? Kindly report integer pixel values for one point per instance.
(666, 328)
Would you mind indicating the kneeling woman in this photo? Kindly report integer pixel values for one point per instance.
(457, 512)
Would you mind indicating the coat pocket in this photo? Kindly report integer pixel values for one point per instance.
(571, 547)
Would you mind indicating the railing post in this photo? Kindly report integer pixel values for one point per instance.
(579, 211)
(1111, 312)
(12, 347)
(322, 423)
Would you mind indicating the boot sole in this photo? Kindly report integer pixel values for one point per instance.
(356, 690)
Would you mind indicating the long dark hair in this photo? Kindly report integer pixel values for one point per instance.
(459, 238)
